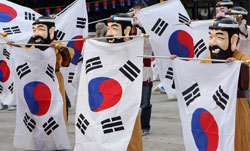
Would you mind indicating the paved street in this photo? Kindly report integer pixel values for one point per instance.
(165, 134)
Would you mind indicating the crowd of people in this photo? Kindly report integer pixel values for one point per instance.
(228, 40)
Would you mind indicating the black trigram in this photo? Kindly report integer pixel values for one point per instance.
(50, 126)
(130, 70)
(29, 16)
(82, 123)
(159, 27)
(80, 59)
(112, 124)
(22, 70)
(71, 77)
(1, 89)
(59, 35)
(12, 30)
(50, 72)
(191, 93)
(199, 48)
(6, 53)
(81, 22)
(183, 19)
(93, 63)
(221, 98)
(11, 87)
(29, 122)
(169, 74)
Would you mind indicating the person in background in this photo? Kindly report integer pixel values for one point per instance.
(222, 8)
(147, 83)
(239, 14)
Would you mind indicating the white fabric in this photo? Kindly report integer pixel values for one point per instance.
(244, 42)
(21, 34)
(32, 102)
(209, 78)
(201, 37)
(66, 22)
(147, 71)
(7, 81)
(23, 21)
(169, 13)
(112, 58)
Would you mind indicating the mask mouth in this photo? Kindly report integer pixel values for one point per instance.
(39, 39)
(113, 40)
(215, 49)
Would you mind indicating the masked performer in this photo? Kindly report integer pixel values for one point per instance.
(44, 33)
(223, 38)
(222, 8)
(120, 25)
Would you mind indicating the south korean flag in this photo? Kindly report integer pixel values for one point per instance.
(16, 21)
(72, 24)
(39, 117)
(109, 95)
(6, 76)
(170, 33)
(201, 37)
(207, 103)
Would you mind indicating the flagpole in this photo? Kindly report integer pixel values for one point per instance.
(100, 38)
(58, 14)
(82, 39)
(129, 13)
(98, 21)
(196, 59)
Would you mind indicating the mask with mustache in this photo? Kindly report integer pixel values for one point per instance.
(42, 41)
(115, 40)
(222, 54)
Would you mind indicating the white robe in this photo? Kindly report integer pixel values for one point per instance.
(244, 42)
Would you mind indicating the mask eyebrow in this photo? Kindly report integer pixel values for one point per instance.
(114, 25)
(40, 26)
(219, 33)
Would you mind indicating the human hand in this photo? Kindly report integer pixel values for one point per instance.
(239, 19)
(172, 57)
(55, 45)
(229, 60)
(12, 43)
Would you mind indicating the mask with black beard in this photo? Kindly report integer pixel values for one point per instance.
(115, 40)
(222, 54)
(42, 41)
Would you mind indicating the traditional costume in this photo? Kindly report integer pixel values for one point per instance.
(63, 54)
(124, 21)
(229, 26)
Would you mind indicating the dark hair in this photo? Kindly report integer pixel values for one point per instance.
(124, 23)
(46, 20)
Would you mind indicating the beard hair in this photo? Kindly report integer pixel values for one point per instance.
(222, 55)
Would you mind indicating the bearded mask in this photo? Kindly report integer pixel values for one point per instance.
(43, 32)
(223, 38)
